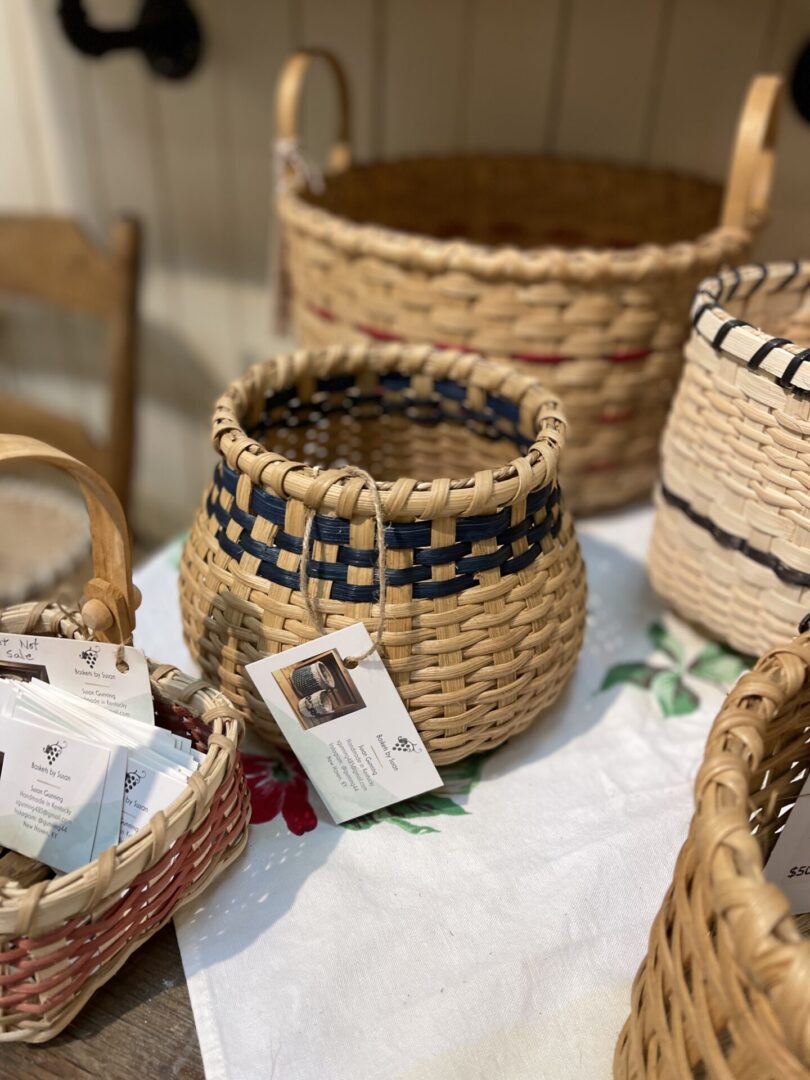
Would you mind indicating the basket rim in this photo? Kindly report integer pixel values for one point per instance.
(764, 354)
(723, 818)
(404, 498)
(584, 265)
(67, 896)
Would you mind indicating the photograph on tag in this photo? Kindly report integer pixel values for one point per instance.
(319, 689)
(19, 671)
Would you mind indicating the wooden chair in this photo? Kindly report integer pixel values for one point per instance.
(53, 260)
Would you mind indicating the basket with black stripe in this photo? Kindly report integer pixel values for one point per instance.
(484, 584)
(578, 272)
(731, 543)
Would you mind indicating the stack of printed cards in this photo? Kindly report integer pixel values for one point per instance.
(77, 776)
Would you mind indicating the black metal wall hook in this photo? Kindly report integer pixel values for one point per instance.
(167, 32)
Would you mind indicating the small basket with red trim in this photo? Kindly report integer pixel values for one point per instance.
(582, 271)
(61, 938)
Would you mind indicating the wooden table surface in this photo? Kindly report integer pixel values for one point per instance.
(139, 1026)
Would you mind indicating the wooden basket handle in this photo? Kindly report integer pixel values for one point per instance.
(750, 176)
(288, 104)
(111, 598)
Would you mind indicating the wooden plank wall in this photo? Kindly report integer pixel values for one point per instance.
(649, 81)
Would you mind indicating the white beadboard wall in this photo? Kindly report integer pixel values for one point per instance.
(648, 81)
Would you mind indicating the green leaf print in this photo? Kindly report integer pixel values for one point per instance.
(718, 664)
(669, 684)
(674, 699)
(459, 779)
(408, 826)
(637, 673)
(664, 640)
(462, 776)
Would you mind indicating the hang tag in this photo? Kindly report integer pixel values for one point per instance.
(92, 670)
(788, 865)
(347, 726)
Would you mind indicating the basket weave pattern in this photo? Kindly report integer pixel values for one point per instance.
(484, 581)
(724, 988)
(730, 543)
(605, 333)
(64, 937)
(579, 272)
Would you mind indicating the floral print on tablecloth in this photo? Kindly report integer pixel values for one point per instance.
(675, 680)
(278, 785)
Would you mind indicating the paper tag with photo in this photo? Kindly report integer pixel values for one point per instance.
(347, 726)
(92, 670)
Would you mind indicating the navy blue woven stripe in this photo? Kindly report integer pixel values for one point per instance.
(398, 535)
(421, 410)
(459, 553)
(418, 576)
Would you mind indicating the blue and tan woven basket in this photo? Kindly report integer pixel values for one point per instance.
(484, 584)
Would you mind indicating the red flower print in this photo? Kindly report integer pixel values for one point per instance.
(278, 784)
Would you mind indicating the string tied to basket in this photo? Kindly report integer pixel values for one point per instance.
(306, 554)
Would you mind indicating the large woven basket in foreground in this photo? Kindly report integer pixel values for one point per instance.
(730, 544)
(61, 938)
(724, 990)
(580, 272)
(484, 584)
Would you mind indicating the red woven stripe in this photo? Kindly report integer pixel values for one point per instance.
(378, 335)
(602, 466)
(617, 417)
(527, 357)
(559, 358)
(632, 354)
(539, 358)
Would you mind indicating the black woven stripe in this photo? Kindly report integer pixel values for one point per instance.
(791, 277)
(786, 378)
(735, 274)
(737, 543)
(763, 275)
(701, 310)
(724, 330)
(763, 350)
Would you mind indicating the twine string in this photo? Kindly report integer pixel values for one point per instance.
(306, 554)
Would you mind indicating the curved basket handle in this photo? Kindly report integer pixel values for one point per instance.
(111, 598)
(288, 104)
(750, 176)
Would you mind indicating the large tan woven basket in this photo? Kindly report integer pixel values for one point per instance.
(579, 271)
(730, 545)
(61, 938)
(484, 584)
(724, 990)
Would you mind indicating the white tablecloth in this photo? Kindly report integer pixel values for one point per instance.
(493, 931)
